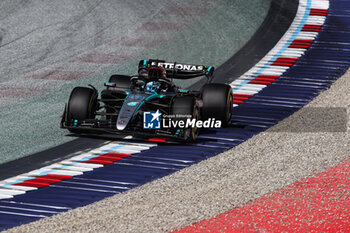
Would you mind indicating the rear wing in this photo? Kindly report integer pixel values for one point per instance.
(179, 70)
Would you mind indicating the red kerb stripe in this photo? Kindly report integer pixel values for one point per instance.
(319, 12)
(242, 95)
(287, 59)
(32, 184)
(282, 64)
(120, 155)
(236, 101)
(260, 82)
(107, 158)
(240, 98)
(58, 177)
(304, 44)
(44, 180)
(264, 79)
(284, 61)
(156, 140)
(98, 161)
(312, 28)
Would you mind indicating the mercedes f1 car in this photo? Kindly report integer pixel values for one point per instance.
(149, 104)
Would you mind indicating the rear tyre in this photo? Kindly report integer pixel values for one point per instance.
(217, 102)
(186, 105)
(82, 105)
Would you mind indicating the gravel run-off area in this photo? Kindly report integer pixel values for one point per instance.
(261, 165)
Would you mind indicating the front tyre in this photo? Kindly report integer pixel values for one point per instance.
(82, 105)
(217, 102)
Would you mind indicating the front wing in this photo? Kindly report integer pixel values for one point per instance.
(96, 128)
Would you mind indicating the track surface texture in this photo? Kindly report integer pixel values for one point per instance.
(49, 47)
(262, 165)
(63, 52)
(275, 24)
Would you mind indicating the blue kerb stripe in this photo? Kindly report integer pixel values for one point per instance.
(63, 166)
(295, 34)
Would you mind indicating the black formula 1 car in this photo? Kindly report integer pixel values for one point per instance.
(150, 105)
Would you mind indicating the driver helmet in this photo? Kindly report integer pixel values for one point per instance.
(152, 87)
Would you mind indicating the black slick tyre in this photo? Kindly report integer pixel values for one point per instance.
(81, 105)
(217, 102)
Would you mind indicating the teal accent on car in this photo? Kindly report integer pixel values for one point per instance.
(132, 103)
(110, 84)
(128, 111)
(182, 90)
(209, 69)
(155, 95)
(151, 96)
(138, 107)
(148, 98)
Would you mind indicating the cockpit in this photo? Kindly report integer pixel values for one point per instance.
(153, 80)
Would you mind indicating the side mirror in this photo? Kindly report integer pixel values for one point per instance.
(209, 73)
(110, 84)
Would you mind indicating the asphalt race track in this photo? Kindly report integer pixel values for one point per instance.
(52, 51)
(88, 41)
(304, 62)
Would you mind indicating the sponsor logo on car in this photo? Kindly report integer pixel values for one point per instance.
(168, 65)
